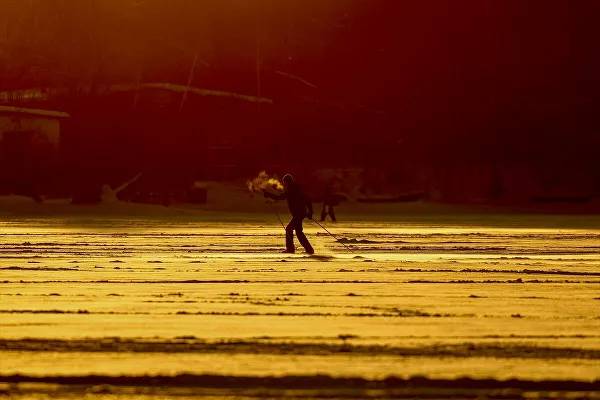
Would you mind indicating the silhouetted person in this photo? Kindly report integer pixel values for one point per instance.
(329, 201)
(300, 207)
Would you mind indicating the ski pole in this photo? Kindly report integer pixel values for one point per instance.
(278, 216)
(280, 221)
(333, 236)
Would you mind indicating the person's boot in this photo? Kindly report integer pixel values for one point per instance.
(289, 241)
(305, 243)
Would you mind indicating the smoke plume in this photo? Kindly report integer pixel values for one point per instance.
(264, 182)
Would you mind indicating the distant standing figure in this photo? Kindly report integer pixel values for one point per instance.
(300, 207)
(329, 201)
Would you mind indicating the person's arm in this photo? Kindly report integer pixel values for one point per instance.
(269, 195)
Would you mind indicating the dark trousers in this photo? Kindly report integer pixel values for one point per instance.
(327, 209)
(296, 225)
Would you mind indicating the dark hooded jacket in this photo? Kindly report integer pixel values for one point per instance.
(299, 204)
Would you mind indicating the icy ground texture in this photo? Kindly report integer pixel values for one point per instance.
(150, 296)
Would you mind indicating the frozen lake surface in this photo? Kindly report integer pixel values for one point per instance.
(160, 297)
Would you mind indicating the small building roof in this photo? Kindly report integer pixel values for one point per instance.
(33, 112)
(193, 90)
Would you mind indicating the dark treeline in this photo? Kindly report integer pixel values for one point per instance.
(493, 96)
